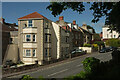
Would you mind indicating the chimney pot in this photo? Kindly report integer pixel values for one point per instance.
(61, 18)
(74, 22)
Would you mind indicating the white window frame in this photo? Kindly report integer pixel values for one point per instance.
(26, 38)
(34, 38)
(31, 23)
(26, 52)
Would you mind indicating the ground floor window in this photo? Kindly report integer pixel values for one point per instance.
(34, 52)
(29, 52)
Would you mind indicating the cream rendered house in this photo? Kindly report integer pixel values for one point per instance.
(39, 39)
(108, 34)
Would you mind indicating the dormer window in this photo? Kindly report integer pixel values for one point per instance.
(30, 23)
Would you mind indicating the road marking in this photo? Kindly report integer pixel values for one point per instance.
(58, 72)
(79, 65)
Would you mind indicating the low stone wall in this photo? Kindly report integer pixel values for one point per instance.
(88, 49)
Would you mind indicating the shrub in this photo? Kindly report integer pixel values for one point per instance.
(26, 77)
(87, 45)
(116, 56)
(113, 42)
(99, 43)
(90, 65)
(95, 46)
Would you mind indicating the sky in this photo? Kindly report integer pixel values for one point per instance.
(11, 11)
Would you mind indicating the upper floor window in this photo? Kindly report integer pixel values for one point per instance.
(30, 23)
(46, 25)
(47, 38)
(34, 37)
(28, 38)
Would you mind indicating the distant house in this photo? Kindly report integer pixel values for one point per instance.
(77, 35)
(109, 34)
(7, 29)
(88, 33)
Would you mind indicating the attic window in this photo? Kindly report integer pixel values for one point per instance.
(29, 23)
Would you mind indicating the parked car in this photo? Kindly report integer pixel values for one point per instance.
(112, 48)
(77, 51)
(103, 50)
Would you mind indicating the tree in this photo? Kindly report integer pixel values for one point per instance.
(109, 9)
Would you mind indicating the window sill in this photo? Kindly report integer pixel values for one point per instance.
(47, 42)
(29, 42)
(27, 57)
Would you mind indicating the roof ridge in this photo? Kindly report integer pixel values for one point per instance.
(33, 15)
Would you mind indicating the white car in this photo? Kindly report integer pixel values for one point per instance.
(77, 51)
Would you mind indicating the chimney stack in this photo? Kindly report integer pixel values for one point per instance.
(84, 25)
(74, 22)
(61, 18)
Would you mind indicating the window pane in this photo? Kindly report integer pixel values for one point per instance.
(28, 53)
(33, 37)
(34, 52)
(28, 38)
(46, 38)
(30, 25)
(46, 52)
(30, 21)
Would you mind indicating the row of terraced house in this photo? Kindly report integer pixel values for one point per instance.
(40, 39)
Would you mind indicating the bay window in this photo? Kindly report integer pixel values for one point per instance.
(28, 38)
(34, 52)
(28, 52)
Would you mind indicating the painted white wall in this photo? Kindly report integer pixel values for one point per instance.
(88, 49)
(107, 34)
(30, 30)
(76, 26)
(57, 33)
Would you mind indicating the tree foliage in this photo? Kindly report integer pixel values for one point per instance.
(111, 10)
(113, 42)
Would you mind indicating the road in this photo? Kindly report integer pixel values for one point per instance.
(65, 69)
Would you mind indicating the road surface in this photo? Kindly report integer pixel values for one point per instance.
(65, 69)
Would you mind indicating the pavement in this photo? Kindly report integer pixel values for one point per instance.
(64, 68)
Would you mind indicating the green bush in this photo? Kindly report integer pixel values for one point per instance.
(113, 42)
(99, 43)
(87, 45)
(26, 77)
(90, 65)
(116, 56)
